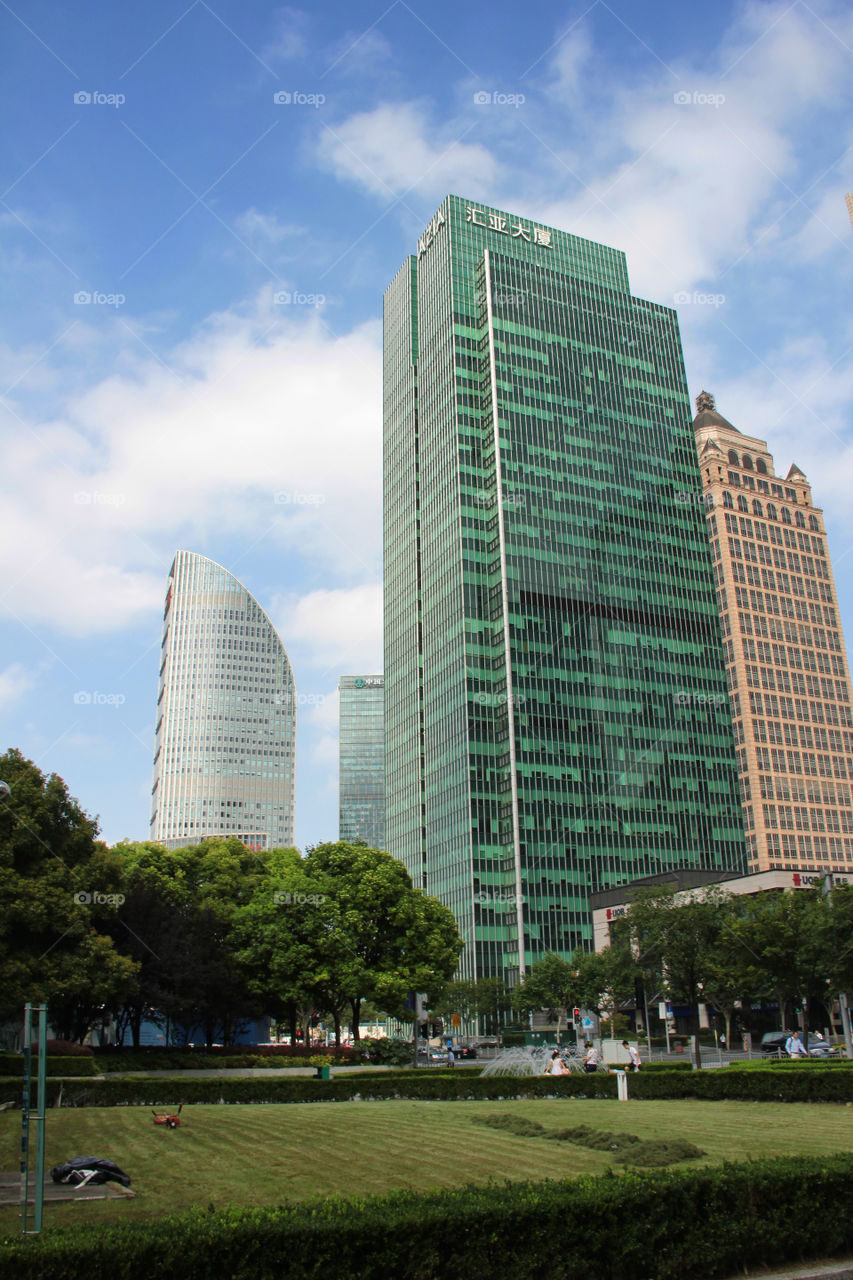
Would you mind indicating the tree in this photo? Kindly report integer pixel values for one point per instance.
(681, 935)
(385, 938)
(58, 887)
(605, 979)
(734, 970)
(793, 936)
(178, 923)
(552, 984)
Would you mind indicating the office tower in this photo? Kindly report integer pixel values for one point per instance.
(849, 199)
(786, 661)
(225, 751)
(557, 719)
(361, 792)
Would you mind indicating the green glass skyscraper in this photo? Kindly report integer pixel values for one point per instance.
(361, 760)
(557, 719)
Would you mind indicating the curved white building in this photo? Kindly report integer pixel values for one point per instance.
(225, 750)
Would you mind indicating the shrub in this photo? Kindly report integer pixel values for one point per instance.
(667, 1066)
(619, 1226)
(12, 1064)
(447, 1086)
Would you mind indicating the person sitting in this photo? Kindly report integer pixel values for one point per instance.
(635, 1055)
(556, 1066)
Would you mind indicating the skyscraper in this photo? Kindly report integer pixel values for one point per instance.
(557, 718)
(225, 751)
(361, 792)
(849, 199)
(789, 679)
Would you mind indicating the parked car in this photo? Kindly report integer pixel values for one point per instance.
(466, 1051)
(773, 1042)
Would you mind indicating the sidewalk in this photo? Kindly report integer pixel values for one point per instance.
(840, 1270)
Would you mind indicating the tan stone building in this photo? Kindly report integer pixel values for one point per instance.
(786, 662)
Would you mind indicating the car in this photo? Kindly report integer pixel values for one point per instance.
(773, 1042)
(466, 1051)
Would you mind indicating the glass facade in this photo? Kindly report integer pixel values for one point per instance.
(557, 720)
(362, 759)
(225, 751)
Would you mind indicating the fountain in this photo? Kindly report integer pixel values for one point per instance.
(530, 1060)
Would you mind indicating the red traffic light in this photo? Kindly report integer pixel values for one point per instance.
(576, 1013)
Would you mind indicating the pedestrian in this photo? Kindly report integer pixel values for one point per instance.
(590, 1062)
(635, 1055)
(555, 1067)
(451, 1056)
(722, 1039)
(794, 1046)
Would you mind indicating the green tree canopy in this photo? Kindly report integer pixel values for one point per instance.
(58, 887)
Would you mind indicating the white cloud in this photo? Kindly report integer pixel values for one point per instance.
(337, 629)
(363, 54)
(289, 40)
(15, 681)
(686, 187)
(260, 229)
(797, 401)
(254, 408)
(386, 151)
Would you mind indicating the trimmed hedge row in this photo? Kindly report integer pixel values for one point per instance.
(618, 1226)
(12, 1064)
(742, 1086)
(667, 1066)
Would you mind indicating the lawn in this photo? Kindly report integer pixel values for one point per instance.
(262, 1155)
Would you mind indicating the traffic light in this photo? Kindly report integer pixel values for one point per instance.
(423, 1029)
(576, 1016)
(437, 1027)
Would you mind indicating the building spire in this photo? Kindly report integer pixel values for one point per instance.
(704, 400)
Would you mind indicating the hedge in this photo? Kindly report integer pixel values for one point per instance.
(687, 1224)
(667, 1066)
(743, 1086)
(12, 1064)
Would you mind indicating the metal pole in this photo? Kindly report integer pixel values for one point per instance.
(25, 1118)
(42, 1112)
(845, 1023)
(648, 1028)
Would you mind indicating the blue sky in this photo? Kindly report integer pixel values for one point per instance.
(220, 389)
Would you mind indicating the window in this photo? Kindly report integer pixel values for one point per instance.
(742, 504)
(727, 499)
(733, 458)
(746, 462)
(771, 512)
(814, 524)
(757, 509)
(800, 519)
(761, 466)
(786, 516)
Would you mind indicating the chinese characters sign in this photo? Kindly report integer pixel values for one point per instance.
(515, 230)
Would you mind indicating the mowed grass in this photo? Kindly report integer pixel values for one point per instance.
(265, 1155)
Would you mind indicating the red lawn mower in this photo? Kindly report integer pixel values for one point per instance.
(169, 1120)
